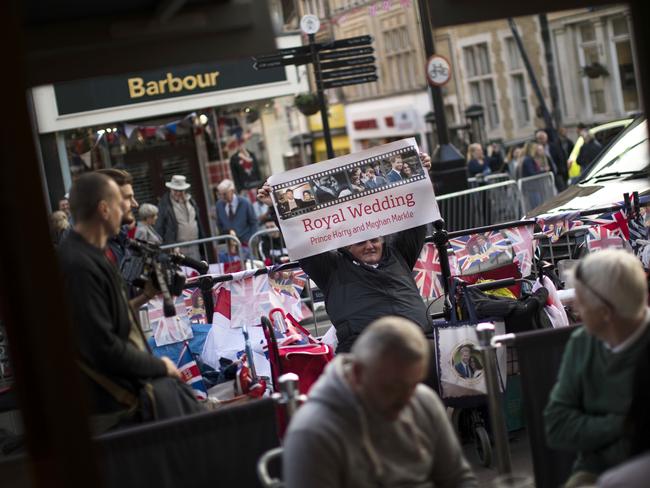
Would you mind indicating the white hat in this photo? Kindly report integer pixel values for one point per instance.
(178, 182)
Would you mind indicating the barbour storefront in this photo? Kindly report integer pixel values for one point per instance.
(201, 120)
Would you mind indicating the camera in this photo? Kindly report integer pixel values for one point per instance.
(148, 262)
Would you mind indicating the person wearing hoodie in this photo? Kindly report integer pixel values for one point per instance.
(370, 422)
(369, 279)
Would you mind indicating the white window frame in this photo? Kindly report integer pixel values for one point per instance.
(582, 45)
(471, 42)
(616, 77)
(512, 72)
(400, 62)
(363, 90)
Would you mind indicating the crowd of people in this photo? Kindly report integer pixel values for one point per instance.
(370, 420)
(535, 156)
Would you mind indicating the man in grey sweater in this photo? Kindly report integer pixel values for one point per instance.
(370, 422)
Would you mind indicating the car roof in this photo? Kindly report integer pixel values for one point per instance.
(611, 125)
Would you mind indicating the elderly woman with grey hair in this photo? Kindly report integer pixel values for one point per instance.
(587, 406)
(147, 216)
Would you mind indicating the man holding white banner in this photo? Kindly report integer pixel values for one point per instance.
(340, 243)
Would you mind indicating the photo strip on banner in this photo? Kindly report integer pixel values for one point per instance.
(353, 198)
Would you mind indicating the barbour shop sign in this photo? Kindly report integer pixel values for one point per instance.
(138, 87)
(149, 86)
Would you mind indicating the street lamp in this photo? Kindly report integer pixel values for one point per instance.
(447, 163)
(475, 114)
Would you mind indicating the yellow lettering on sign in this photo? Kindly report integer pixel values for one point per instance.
(135, 87)
(203, 80)
(175, 84)
(171, 84)
(189, 82)
(152, 88)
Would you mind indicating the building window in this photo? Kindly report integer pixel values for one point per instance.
(481, 81)
(518, 85)
(315, 7)
(588, 55)
(363, 90)
(623, 62)
(399, 55)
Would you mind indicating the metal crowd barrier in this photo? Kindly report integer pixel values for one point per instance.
(478, 207)
(477, 181)
(257, 240)
(210, 241)
(537, 189)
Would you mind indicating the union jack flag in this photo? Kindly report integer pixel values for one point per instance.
(286, 287)
(288, 283)
(427, 272)
(222, 300)
(481, 249)
(250, 300)
(555, 226)
(191, 374)
(616, 222)
(600, 237)
(521, 239)
(155, 310)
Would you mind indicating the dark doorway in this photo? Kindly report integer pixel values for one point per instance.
(152, 166)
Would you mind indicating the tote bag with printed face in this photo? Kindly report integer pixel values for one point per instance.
(461, 367)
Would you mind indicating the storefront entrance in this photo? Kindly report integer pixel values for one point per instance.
(152, 166)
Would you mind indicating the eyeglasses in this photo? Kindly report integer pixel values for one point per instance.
(579, 276)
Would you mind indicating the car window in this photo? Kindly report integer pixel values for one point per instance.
(627, 153)
(607, 135)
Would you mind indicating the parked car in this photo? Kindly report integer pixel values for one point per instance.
(622, 167)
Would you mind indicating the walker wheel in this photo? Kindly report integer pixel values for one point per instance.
(483, 446)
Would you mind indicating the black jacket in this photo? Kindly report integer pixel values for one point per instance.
(166, 225)
(97, 300)
(357, 294)
(560, 160)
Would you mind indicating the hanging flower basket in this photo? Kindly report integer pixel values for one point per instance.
(307, 103)
(595, 70)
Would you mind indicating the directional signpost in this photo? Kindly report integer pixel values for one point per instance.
(339, 63)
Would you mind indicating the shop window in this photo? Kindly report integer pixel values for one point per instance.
(91, 148)
(240, 142)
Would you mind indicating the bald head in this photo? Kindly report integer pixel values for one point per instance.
(397, 337)
(389, 359)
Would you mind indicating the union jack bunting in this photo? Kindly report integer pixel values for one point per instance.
(191, 374)
(427, 272)
(521, 239)
(480, 252)
(250, 300)
(600, 237)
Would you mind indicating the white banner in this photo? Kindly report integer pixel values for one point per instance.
(353, 198)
